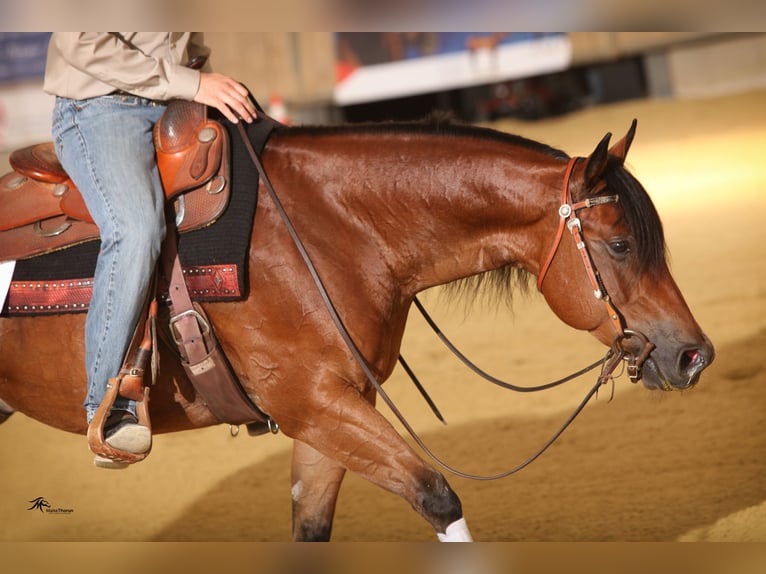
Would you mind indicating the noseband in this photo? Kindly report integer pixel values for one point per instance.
(568, 218)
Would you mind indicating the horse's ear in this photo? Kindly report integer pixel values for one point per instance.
(596, 162)
(620, 149)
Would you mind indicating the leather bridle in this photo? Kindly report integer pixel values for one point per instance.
(568, 219)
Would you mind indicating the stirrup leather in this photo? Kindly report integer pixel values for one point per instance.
(129, 383)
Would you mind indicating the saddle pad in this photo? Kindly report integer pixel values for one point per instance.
(214, 258)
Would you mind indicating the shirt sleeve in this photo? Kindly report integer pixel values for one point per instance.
(109, 58)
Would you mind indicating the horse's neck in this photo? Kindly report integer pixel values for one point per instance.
(437, 209)
(464, 207)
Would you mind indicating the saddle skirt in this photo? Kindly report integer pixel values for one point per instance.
(41, 210)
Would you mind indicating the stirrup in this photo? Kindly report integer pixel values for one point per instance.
(96, 442)
(123, 433)
(129, 383)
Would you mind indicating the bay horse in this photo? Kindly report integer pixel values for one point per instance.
(386, 211)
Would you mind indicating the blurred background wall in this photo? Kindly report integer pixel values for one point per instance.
(301, 70)
(300, 67)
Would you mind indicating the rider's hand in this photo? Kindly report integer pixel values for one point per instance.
(226, 95)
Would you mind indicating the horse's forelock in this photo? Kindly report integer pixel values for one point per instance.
(640, 214)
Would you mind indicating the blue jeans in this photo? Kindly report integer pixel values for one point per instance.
(105, 145)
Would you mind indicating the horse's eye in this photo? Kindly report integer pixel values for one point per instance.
(619, 247)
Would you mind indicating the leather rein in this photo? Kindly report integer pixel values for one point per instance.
(609, 363)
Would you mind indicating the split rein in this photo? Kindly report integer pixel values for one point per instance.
(609, 363)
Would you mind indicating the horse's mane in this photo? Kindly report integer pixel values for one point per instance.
(499, 285)
(437, 123)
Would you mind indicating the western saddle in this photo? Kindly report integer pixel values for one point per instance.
(44, 211)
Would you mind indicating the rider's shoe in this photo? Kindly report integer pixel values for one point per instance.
(123, 432)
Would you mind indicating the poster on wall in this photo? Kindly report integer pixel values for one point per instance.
(25, 110)
(374, 66)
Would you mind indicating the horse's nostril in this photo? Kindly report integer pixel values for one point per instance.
(688, 358)
(692, 362)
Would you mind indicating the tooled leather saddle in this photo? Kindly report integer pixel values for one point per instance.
(43, 211)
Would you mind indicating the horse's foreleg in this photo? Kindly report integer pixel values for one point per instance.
(316, 480)
(353, 433)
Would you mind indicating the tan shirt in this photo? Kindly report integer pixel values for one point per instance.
(148, 64)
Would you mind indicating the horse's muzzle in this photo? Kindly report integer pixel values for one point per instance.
(682, 371)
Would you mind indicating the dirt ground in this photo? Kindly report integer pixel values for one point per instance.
(645, 466)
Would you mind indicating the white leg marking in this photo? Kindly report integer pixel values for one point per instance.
(296, 491)
(456, 532)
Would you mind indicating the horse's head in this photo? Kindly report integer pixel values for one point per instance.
(630, 287)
